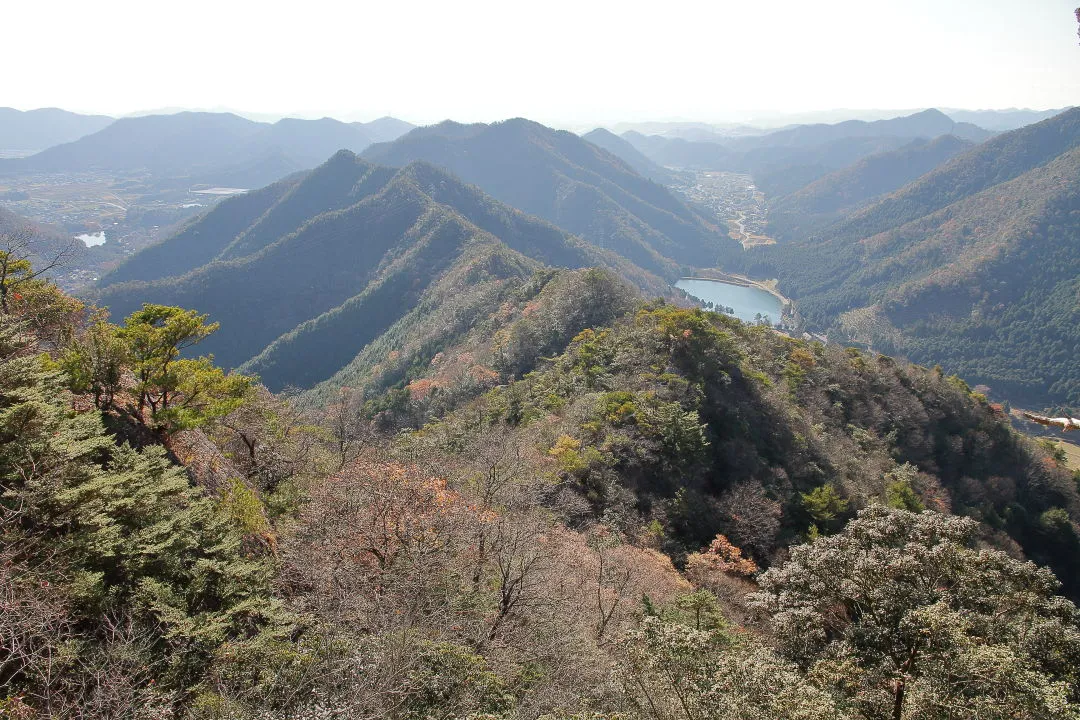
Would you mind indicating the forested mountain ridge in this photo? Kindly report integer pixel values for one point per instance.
(349, 245)
(570, 182)
(469, 333)
(699, 422)
(839, 193)
(972, 266)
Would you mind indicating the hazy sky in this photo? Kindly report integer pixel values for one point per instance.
(573, 61)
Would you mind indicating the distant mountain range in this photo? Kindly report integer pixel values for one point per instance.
(995, 120)
(305, 273)
(34, 130)
(974, 265)
(1002, 120)
(573, 183)
(925, 124)
(208, 147)
(679, 152)
(785, 160)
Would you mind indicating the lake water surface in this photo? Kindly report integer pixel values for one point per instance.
(92, 239)
(747, 302)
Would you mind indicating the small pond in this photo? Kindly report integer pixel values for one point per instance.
(92, 239)
(747, 302)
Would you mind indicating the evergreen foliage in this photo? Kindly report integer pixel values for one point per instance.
(145, 574)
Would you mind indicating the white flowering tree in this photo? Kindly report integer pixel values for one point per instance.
(905, 617)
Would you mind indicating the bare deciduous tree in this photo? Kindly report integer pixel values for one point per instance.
(18, 247)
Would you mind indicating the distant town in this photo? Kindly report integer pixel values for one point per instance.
(736, 201)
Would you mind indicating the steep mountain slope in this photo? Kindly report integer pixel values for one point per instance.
(202, 239)
(973, 266)
(351, 246)
(828, 198)
(35, 130)
(700, 424)
(470, 331)
(570, 182)
(626, 152)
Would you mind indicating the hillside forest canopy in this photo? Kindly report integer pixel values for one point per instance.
(669, 514)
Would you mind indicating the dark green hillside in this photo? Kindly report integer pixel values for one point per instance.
(477, 283)
(202, 239)
(244, 224)
(969, 266)
(702, 424)
(568, 181)
(475, 328)
(986, 286)
(827, 199)
(524, 233)
(341, 181)
(332, 259)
